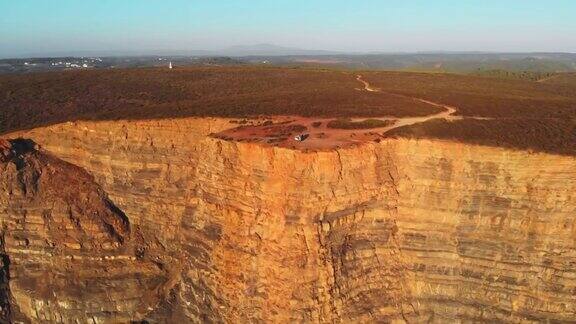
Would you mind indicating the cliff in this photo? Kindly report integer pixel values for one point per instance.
(164, 223)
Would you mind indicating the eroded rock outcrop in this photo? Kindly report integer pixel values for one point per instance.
(400, 230)
(68, 253)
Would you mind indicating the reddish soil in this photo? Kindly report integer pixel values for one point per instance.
(484, 96)
(33, 100)
(281, 131)
(284, 129)
(527, 115)
(540, 116)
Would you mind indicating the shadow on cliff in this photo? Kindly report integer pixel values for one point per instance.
(45, 178)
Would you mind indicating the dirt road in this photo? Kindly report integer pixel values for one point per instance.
(548, 78)
(280, 130)
(446, 114)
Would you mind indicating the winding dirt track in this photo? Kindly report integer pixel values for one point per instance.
(322, 137)
(543, 80)
(446, 114)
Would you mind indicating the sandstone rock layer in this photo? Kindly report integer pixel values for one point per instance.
(168, 224)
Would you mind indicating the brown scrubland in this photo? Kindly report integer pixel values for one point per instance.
(517, 113)
(184, 196)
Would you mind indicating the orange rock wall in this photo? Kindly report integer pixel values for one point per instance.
(401, 230)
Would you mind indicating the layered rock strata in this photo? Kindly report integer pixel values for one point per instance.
(203, 230)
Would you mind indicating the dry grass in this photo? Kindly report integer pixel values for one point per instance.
(537, 116)
(39, 99)
(482, 96)
(525, 114)
(541, 135)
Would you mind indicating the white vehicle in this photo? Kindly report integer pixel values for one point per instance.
(301, 137)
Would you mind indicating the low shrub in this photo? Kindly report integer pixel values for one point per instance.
(345, 123)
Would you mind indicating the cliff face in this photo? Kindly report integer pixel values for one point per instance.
(67, 251)
(207, 230)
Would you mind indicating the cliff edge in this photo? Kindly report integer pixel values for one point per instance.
(182, 226)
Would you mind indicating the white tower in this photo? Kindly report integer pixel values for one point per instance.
(170, 65)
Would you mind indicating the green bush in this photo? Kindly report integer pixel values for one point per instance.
(346, 123)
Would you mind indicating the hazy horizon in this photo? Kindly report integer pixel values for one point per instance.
(42, 28)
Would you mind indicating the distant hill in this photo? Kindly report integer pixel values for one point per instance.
(438, 62)
(524, 65)
(270, 50)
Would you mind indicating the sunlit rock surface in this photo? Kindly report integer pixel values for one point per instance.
(155, 220)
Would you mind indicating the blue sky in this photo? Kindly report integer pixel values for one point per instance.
(48, 26)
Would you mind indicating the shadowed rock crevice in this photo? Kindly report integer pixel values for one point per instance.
(5, 307)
